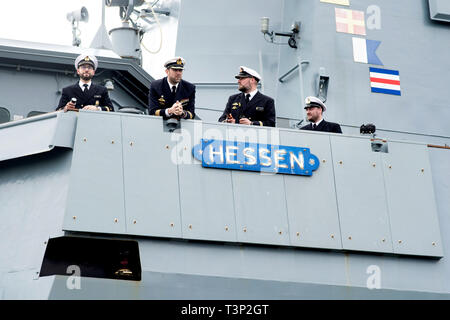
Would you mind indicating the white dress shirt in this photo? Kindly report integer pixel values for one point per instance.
(252, 94)
(170, 86)
(81, 84)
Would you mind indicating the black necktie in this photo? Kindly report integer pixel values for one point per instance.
(174, 89)
(85, 87)
(247, 98)
(314, 126)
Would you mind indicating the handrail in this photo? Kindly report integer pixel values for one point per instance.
(439, 147)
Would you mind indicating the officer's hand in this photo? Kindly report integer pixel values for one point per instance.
(231, 120)
(174, 109)
(178, 108)
(244, 121)
(69, 104)
(90, 107)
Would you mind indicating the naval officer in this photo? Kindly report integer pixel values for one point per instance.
(314, 112)
(171, 96)
(89, 96)
(250, 107)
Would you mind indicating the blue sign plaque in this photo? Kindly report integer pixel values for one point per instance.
(236, 155)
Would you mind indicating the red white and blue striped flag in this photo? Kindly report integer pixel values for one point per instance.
(385, 81)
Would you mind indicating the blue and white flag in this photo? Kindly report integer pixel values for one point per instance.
(364, 51)
(385, 81)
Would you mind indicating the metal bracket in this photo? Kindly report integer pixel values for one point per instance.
(324, 78)
(171, 125)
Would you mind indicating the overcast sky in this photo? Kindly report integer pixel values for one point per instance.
(45, 21)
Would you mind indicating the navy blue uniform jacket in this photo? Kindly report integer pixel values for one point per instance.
(160, 98)
(95, 93)
(260, 109)
(324, 126)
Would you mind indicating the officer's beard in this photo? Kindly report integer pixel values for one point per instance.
(243, 89)
(174, 79)
(86, 77)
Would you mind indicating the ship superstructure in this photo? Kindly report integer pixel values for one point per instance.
(125, 205)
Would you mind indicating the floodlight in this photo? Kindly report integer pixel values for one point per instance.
(75, 17)
(80, 15)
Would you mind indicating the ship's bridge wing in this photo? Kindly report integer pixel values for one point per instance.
(239, 184)
(29, 56)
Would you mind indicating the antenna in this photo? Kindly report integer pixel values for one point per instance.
(101, 39)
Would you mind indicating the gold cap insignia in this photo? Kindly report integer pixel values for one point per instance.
(86, 59)
(308, 100)
(179, 61)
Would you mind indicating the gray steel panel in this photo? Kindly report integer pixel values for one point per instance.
(440, 167)
(260, 202)
(150, 178)
(206, 195)
(175, 286)
(35, 136)
(361, 196)
(440, 10)
(95, 195)
(65, 129)
(311, 201)
(33, 193)
(410, 196)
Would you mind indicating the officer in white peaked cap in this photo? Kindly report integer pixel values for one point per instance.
(313, 101)
(250, 107)
(83, 59)
(172, 96)
(175, 63)
(84, 94)
(245, 72)
(314, 112)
